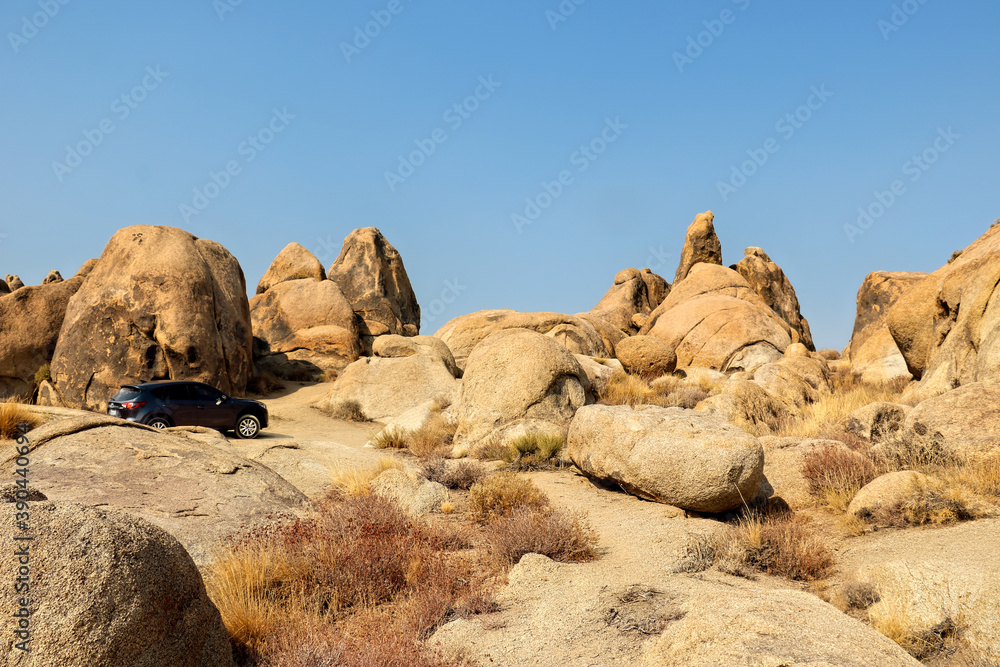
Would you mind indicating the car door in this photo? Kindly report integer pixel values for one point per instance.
(177, 403)
(207, 409)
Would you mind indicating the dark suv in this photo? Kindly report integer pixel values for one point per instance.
(181, 403)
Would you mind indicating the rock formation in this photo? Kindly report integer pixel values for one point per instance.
(700, 245)
(293, 263)
(371, 275)
(872, 350)
(160, 303)
(769, 281)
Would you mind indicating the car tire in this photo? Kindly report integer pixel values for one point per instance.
(247, 427)
(159, 423)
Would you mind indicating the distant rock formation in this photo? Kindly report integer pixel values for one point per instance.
(634, 293)
(700, 245)
(872, 350)
(770, 282)
(293, 263)
(371, 275)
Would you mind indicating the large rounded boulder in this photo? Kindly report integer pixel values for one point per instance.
(518, 381)
(691, 460)
(293, 263)
(159, 304)
(108, 589)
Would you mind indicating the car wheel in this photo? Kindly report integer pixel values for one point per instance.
(159, 423)
(247, 426)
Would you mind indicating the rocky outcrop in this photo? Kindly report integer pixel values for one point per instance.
(109, 589)
(885, 494)
(723, 333)
(53, 277)
(160, 303)
(959, 422)
(687, 459)
(13, 282)
(634, 293)
(304, 328)
(947, 325)
(872, 350)
(876, 422)
(518, 381)
(769, 281)
(391, 345)
(198, 493)
(646, 355)
(576, 333)
(30, 321)
(700, 245)
(293, 263)
(371, 275)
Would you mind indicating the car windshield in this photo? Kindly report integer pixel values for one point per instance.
(126, 394)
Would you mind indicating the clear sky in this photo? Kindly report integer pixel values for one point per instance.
(619, 120)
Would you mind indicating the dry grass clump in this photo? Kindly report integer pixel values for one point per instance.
(15, 418)
(502, 494)
(349, 410)
(836, 475)
(563, 537)
(930, 502)
(532, 451)
(668, 391)
(391, 437)
(357, 481)
(433, 437)
(359, 584)
(782, 545)
(461, 474)
(43, 374)
(848, 393)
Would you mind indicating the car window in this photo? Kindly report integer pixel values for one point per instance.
(203, 393)
(126, 394)
(173, 392)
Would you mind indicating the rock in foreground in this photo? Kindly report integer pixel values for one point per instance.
(691, 460)
(109, 589)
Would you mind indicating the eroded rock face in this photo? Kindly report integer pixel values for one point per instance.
(723, 333)
(701, 244)
(769, 281)
(293, 263)
(634, 293)
(518, 381)
(53, 277)
(111, 590)
(577, 334)
(947, 325)
(371, 274)
(959, 422)
(304, 327)
(30, 321)
(159, 304)
(688, 459)
(872, 350)
(198, 493)
(14, 282)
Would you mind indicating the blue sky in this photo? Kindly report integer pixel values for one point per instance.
(689, 93)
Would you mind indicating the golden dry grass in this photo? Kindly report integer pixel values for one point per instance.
(667, 391)
(848, 394)
(357, 481)
(433, 438)
(15, 418)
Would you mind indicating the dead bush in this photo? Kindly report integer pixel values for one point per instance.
(454, 475)
(502, 494)
(349, 410)
(835, 475)
(930, 502)
(781, 545)
(561, 537)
